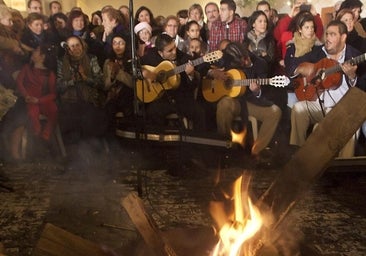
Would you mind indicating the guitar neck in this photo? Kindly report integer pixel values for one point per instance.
(353, 61)
(181, 68)
(247, 82)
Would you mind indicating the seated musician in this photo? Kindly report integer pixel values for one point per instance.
(118, 80)
(308, 112)
(180, 100)
(236, 56)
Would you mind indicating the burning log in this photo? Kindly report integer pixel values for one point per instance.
(259, 224)
(146, 226)
(197, 241)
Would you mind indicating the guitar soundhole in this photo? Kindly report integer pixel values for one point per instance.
(228, 83)
(161, 77)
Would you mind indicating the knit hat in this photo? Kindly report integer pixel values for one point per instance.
(141, 26)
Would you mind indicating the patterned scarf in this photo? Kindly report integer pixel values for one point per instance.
(303, 45)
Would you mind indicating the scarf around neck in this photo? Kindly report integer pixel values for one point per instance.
(303, 45)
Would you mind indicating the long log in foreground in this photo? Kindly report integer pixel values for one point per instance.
(311, 160)
(55, 241)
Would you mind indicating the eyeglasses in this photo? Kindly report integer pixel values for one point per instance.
(118, 42)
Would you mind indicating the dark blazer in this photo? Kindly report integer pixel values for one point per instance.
(316, 55)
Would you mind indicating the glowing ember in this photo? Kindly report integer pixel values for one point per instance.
(238, 227)
(239, 137)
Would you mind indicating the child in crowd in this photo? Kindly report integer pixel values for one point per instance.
(195, 48)
(193, 32)
(144, 34)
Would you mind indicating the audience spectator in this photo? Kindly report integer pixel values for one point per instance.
(126, 14)
(258, 38)
(34, 6)
(36, 83)
(79, 84)
(281, 31)
(356, 7)
(228, 27)
(265, 7)
(183, 19)
(171, 28)
(34, 33)
(18, 23)
(113, 23)
(193, 32)
(195, 12)
(212, 14)
(144, 35)
(54, 7)
(145, 14)
(12, 58)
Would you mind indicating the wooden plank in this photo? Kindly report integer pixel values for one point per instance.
(146, 226)
(55, 241)
(311, 160)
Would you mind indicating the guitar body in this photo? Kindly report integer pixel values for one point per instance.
(148, 90)
(213, 89)
(308, 86)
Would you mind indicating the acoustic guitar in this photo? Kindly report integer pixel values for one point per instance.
(312, 79)
(214, 89)
(167, 77)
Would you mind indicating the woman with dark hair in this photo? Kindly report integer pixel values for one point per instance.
(259, 40)
(118, 80)
(58, 23)
(145, 14)
(77, 25)
(303, 28)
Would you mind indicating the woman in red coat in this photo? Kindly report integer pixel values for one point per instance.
(37, 84)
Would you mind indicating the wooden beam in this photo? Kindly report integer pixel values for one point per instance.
(311, 160)
(55, 241)
(146, 226)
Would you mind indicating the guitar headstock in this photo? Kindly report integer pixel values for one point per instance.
(279, 81)
(212, 56)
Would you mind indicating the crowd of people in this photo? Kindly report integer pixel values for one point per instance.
(78, 71)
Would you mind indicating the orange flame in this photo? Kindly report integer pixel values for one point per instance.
(238, 228)
(239, 137)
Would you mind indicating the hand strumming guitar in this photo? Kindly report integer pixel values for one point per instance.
(218, 73)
